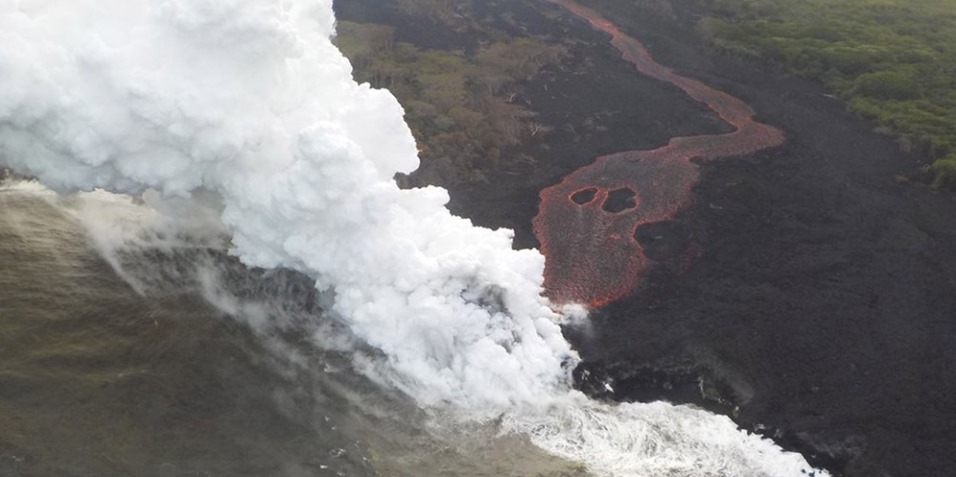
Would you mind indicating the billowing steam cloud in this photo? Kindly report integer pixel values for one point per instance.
(250, 99)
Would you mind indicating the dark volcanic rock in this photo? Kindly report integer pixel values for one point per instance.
(805, 292)
(828, 284)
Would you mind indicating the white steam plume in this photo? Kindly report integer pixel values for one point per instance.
(250, 99)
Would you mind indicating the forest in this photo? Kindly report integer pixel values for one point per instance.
(892, 61)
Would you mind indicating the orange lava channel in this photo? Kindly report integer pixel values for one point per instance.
(591, 253)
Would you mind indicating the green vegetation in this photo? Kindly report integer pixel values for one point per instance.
(893, 61)
(462, 107)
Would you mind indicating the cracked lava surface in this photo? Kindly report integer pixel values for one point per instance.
(586, 224)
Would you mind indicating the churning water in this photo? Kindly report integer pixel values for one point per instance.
(98, 379)
(131, 343)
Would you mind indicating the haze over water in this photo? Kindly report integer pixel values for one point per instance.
(97, 379)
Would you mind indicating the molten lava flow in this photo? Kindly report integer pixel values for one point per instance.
(586, 223)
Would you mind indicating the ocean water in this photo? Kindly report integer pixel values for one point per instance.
(133, 344)
(132, 368)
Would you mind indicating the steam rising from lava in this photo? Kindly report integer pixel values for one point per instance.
(250, 99)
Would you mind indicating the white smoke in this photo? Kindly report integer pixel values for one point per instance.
(249, 100)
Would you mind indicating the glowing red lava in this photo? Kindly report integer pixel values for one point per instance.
(586, 223)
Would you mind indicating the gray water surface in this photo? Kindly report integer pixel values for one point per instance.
(98, 379)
